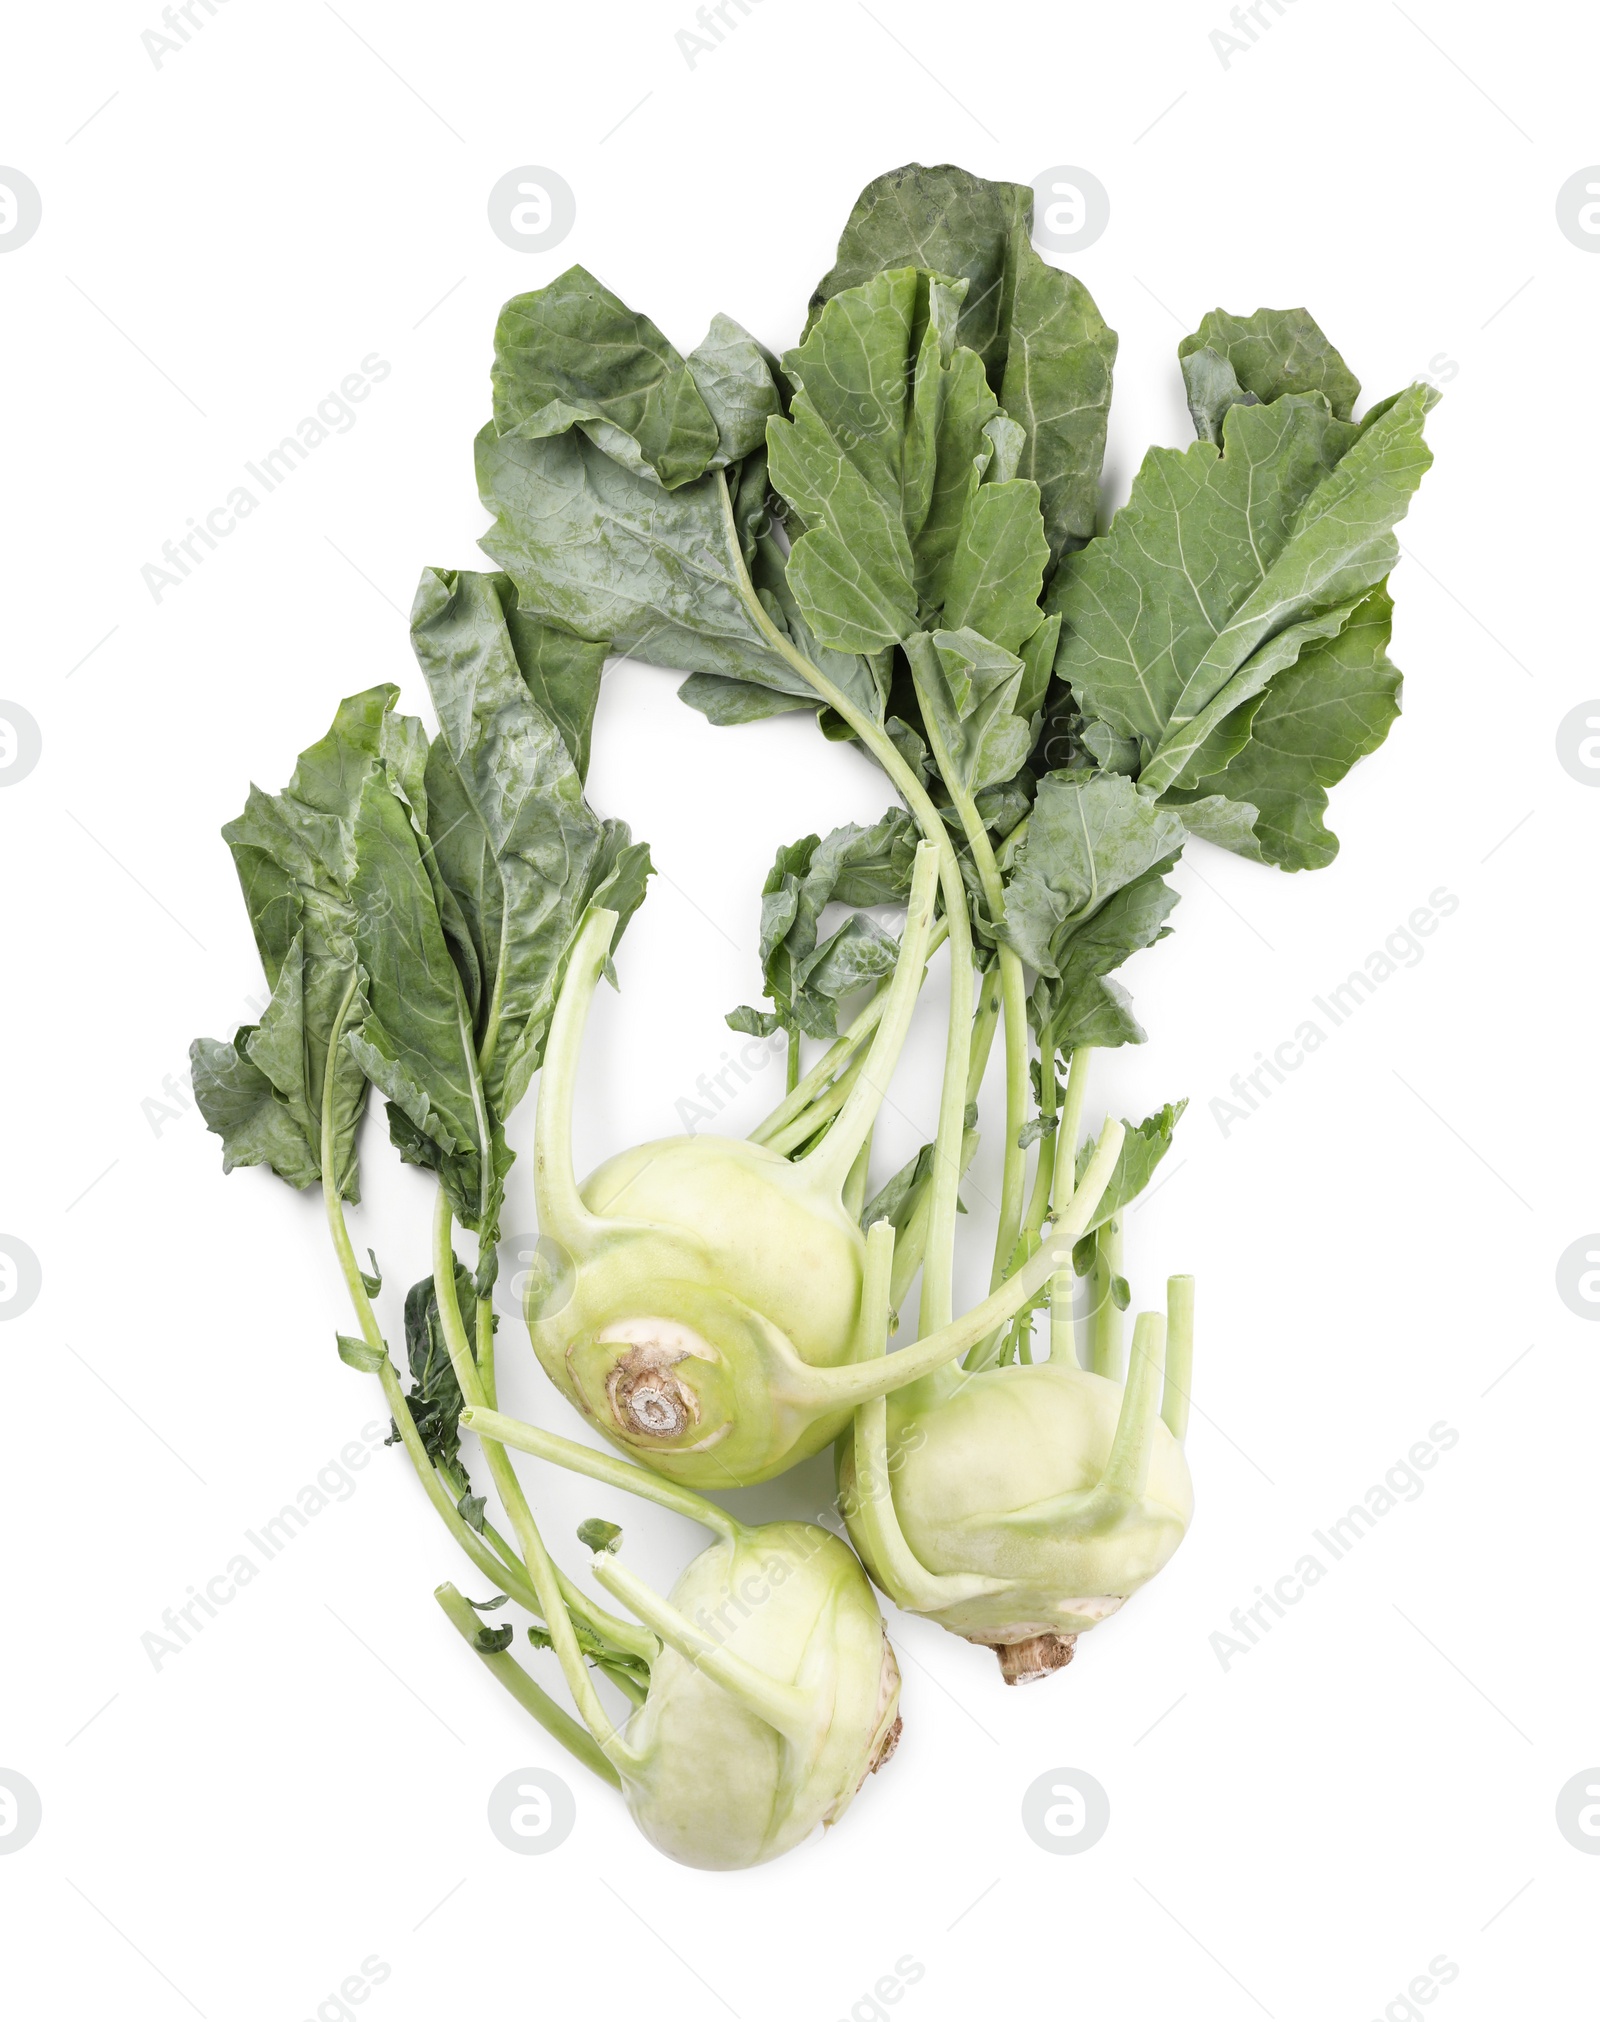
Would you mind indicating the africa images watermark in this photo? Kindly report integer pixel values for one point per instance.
(335, 415)
(1250, 23)
(1402, 949)
(1402, 1482)
(719, 1089)
(693, 46)
(335, 1481)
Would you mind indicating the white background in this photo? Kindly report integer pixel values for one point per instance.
(303, 1787)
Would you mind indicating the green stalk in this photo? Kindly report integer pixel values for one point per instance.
(792, 1065)
(1013, 991)
(604, 1467)
(530, 1696)
(819, 1114)
(541, 1569)
(510, 1576)
(855, 1035)
(1105, 1316)
(938, 1276)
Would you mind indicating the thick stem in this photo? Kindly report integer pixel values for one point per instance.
(816, 1116)
(1072, 1111)
(855, 1035)
(1180, 1355)
(830, 1163)
(871, 1514)
(533, 1698)
(562, 1214)
(855, 1187)
(1128, 1466)
(1063, 1342)
(1105, 1315)
(792, 1061)
(852, 1384)
(938, 1276)
(604, 1467)
(541, 1569)
(1013, 992)
(788, 1708)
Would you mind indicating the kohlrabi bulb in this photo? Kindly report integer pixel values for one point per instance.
(733, 1770)
(1020, 1506)
(774, 1693)
(709, 1317)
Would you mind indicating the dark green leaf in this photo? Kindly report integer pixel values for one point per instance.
(759, 1024)
(737, 380)
(359, 1354)
(416, 1041)
(517, 846)
(1089, 837)
(1045, 350)
(1331, 707)
(572, 353)
(492, 1641)
(598, 1535)
(722, 700)
(295, 854)
(891, 432)
(1222, 569)
(1260, 358)
(1143, 1149)
(969, 688)
(896, 1201)
(609, 554)
(372, 1281)
(807, 976)
(470, 1509)
(435, 1396)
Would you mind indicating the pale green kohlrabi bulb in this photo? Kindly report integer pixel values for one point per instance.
(1020, 1506)
(712, 1298)
(774, 1693)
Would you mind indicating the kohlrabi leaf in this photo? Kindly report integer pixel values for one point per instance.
(807, 977)
(1086, 890)
(295, 856)
(573, 354)
(607, 553)
(435, 1396)
(1089, 836)
(256, 1125)
(1333, 706)
(1259, 358)
(1222, 569)
(895, 1201)
(356, 1353)
(416, 1042)
(1045, 350)
(737, 380)
(969, 688)
(724, 701)
(1143, 1148)
(562, 671)
(890, 435)
(520, 850)
(599, 1535)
